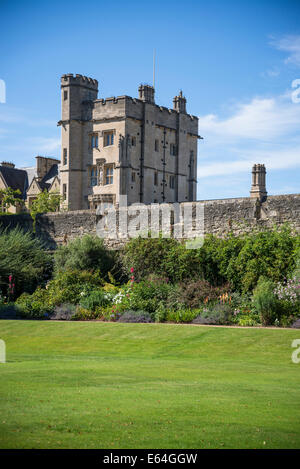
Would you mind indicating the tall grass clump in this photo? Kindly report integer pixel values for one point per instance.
(24, 263)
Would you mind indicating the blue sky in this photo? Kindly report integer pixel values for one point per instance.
(234, 60)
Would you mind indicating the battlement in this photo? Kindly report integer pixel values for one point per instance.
(110, 100)
(79, 80)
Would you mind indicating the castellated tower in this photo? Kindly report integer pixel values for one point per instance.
(77, 95)
(258, 189)
(123, 146)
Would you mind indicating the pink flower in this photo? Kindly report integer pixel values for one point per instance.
(132, 270)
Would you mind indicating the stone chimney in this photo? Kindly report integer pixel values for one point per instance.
(258, 189)
(43, 165)
(7, 164)
(179, 103)
(146, 93)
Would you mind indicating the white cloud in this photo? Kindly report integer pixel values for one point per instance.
(273, 159)
(12, 115)
(291, 45)
(44, 145)
(36, 145)
(264, 130)
(260, 119)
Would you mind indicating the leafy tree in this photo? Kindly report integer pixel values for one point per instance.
(9, 198)
(45, 202)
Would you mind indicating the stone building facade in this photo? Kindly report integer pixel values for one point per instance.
(124, 146)
(46, 177)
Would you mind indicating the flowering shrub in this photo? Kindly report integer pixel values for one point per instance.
(289, 291)
(94, 298)
(66, 287)
(194, 293)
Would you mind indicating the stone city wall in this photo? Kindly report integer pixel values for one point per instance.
(239, 215)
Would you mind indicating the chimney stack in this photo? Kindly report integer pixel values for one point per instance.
(258, 189)
(179, 103)
(146, 93)
(7, 164)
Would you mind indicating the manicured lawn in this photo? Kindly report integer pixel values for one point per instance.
(96, 385)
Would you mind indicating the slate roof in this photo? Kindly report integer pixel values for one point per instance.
(48, 178)
(15, 178)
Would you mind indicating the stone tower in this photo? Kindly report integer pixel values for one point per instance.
(258, 189)
(117, 146)
(77, 95)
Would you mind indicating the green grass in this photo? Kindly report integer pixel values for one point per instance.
(96, 385)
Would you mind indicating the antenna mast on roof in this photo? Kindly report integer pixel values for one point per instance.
(154, 68)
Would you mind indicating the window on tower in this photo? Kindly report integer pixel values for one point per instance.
(93, 176)
(94, 141)
(172, 182)
(109, 174)
(65, 156)
(173, 149)
(108, 138)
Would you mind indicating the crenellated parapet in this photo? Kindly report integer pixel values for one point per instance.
(79, 80)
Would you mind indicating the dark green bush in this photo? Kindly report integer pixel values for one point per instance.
(86, 253)
(149, 296)
(162, 257)
(238, 260)
(70, 286)
(265, 301)
(23, 257)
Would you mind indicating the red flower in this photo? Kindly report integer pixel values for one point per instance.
(132, 270)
